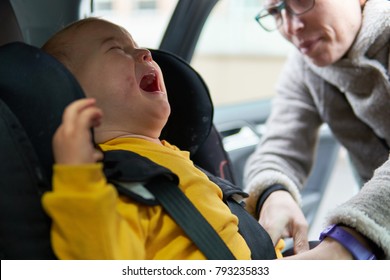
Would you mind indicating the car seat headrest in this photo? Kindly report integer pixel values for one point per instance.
(34, 90)
(191, 116)
(36, 87)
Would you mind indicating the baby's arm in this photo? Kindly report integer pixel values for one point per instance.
(87, 214)
(72, 142)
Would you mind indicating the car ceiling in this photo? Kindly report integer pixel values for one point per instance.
(40, 19)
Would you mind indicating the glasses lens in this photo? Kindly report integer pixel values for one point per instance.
(268, 21)
(299, 7)
(270, 18)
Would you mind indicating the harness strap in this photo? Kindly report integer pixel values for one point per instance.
(122, 167)
(255, 235)
(257, 239)
(181, 209)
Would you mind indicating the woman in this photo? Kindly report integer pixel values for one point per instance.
(339, 75)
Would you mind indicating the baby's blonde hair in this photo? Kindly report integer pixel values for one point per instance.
(60, 44)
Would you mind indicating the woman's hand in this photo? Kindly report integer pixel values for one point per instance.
(328, 249)
(282, 217)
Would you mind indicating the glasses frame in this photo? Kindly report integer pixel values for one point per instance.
(279, 7)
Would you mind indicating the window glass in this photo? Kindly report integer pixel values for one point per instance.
(146, 20)
(239, 61)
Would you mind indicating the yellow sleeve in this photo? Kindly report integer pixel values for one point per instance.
(279, 248)
(87, 218)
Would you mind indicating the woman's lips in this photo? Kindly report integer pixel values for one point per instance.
(307, 46)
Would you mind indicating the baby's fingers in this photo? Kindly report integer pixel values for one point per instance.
(82, 114)
(72, 142)
(89, 117)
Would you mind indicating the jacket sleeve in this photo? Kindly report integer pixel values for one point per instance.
(285, 154)
(369, 211)
(87, 222)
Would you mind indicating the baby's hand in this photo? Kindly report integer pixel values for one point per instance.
(72, 142)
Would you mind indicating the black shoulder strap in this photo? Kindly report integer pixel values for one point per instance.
(163, 184)
(254, 234)
(181, 209)
(257, 239)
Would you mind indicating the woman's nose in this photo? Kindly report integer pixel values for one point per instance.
(291, 24)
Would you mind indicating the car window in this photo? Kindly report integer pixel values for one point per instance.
(239, 61)
(146, 20)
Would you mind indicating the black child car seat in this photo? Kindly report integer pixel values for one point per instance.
(34, 90)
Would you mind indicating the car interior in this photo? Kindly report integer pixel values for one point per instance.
(30, 113)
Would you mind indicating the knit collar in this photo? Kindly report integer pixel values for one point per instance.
(375, 31)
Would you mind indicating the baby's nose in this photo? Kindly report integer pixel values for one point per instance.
(144, 55)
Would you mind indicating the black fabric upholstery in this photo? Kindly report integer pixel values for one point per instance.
(190, 125)
(24, 226)
(192, 111)
(213, 157)
(36, 88)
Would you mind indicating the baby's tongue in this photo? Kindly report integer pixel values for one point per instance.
(149, 83)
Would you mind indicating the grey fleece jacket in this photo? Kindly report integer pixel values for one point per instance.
(352, 96)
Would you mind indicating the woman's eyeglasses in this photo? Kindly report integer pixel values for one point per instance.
(270, 18)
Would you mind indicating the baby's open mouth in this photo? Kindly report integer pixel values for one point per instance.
(149, 83)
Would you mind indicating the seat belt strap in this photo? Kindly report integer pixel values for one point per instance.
(255, 235)
(181, 209)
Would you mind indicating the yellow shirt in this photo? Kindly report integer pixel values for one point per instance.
(91, 221)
